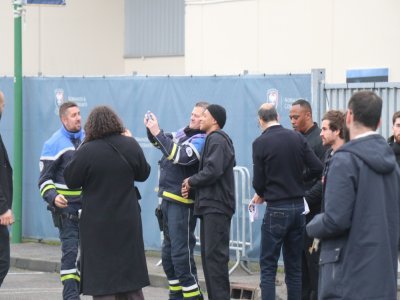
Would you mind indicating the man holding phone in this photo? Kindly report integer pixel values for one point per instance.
(181, 153)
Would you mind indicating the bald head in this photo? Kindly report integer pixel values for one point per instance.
(267, 112)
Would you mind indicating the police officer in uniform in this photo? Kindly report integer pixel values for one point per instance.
(181, 153)
(64, 203)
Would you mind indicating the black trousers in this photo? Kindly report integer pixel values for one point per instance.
(4, 252)
(310, 270)
(214, 240)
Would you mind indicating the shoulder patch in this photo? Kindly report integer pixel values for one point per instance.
(189, 151)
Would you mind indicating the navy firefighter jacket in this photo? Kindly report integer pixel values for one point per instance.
(56, 154)
(181, 154)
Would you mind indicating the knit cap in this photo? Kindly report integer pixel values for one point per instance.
(218, 113)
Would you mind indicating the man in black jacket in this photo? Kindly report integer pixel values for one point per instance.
(280, 156)
(6, 216)
(302, 121)
(214, 185)
(394, 140)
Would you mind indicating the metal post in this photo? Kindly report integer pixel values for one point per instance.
(17, 196)
(318, 106)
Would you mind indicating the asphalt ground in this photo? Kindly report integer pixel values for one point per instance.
(35, 285)
(44, 258)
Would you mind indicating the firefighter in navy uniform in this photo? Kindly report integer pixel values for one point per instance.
(181, 154)
(63, 203)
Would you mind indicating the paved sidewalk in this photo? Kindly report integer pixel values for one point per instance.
(46, 258)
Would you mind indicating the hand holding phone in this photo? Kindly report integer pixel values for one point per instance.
(148, 115)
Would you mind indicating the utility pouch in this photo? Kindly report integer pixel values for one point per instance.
(159, 216)
(57, 220)
(57, 217)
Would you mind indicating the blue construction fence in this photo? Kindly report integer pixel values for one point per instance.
(171, 99)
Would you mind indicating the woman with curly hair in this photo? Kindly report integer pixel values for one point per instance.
(113, 263)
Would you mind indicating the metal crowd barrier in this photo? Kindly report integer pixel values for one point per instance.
(241, 238)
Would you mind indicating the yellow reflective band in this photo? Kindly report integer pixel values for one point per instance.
(172, 152)
(192, 294)
(177, 198)
(70, 276)
(175, 288)
(69, 193)
(48, 187)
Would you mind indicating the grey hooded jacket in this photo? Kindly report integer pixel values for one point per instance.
(359, 229)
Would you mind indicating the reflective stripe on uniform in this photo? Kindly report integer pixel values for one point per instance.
(177, 198)
(69, 192)
(46, 188)
(70, 271)
(189, 288)
(174, 147)
(191, 294)
(70, 276)
(191, 291)
(174, 286)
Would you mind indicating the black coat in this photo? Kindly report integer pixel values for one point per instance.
(6, 184)
(112, 259)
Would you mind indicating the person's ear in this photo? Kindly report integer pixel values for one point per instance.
(349, 117)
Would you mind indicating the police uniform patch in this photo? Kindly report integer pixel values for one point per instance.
(41, 165)
(189, 151)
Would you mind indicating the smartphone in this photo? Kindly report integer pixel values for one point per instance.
(148, 115)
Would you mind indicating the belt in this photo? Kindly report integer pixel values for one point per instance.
(70, 216)
(285, 201)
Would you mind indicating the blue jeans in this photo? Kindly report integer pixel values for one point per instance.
(282, 228)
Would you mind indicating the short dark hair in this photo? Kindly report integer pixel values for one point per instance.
(336, 120)
(396, 115)
(303, 103)
(202, 104)
(366, 106)
(102, 122)
(268, 114)
(63, 107)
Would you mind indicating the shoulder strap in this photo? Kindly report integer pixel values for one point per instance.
(120, 154)
(138, 195)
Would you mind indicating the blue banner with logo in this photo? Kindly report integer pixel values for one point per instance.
(171, 99)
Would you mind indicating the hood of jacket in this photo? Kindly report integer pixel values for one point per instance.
(374, 151)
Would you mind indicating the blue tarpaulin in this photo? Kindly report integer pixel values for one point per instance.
(171, 99)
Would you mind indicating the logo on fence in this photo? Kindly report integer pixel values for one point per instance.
(60, 99)
(273, 97)
(59, 93)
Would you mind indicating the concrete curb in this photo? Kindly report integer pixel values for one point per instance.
(156, 280)
(35, 265)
